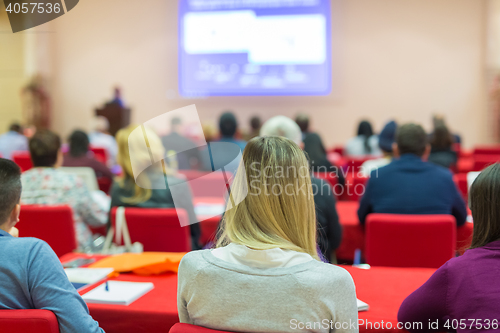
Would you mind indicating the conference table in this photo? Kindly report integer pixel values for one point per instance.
(383, 288)
(353, 234)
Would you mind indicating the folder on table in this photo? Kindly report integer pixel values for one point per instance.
(118, 292)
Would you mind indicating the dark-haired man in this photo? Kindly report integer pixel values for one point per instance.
(12, 141)
(409, 185)
(31, 276)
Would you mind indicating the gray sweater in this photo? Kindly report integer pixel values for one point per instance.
(308, 297)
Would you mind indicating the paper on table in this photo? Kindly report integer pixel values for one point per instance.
(119, 292)
(87, 275)
(362, 306)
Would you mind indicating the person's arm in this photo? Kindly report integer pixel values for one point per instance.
(365, 205)
(427, 303)
(91, 213)
(346, 310)
(50, 290)
(184, 281)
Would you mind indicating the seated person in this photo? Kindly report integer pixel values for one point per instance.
(365, 144)
(464, 288)
(265, 272)
(187, 153)
(329, 229)
(77, 156)
(100, 138)
(316, 152)
(385, 141)
(255, 125)
(12, 141)
(46, 185)
(31, 275)
(409, 185)
(149, 189)
(442, 152)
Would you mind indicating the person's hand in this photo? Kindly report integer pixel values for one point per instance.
(14, 232)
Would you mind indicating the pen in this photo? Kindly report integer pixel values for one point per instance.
(106, 287)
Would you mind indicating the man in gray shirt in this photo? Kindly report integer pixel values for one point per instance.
(31, 276)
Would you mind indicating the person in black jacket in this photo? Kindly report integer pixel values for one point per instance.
(329, 229)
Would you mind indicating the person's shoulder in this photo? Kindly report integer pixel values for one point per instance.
(192, 261)
(439, 171)
(325, 275)
(23, 246)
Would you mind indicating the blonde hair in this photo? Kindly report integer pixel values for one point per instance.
(147, 151)
(275, 202)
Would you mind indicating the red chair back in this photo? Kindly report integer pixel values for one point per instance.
(188, 328)
(23, 159)
(28, 321)
(354, 164)
(487, 150)
(100, 154)
(460, 180)
(410, 240)
(482, 161)
(53, 224)
(158, 229)
(357, 188)
(104, 184)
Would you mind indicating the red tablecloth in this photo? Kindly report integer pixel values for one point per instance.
(383, 288)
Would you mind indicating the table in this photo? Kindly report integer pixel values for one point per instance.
(354, 235)
(383, 288)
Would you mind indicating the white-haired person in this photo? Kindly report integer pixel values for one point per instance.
(100, 138)
(265, 274)
(329, 229)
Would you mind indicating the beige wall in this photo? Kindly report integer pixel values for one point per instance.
(394, 59)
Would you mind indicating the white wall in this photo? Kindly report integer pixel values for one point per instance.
(393, 59)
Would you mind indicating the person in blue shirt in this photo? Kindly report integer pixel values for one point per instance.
(12, 141)
(31, 276)
(409, 184)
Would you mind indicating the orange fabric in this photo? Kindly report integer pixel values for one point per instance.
(147, 263)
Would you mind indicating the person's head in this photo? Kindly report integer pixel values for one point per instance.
(101, 124)
(175, 124)
(282, 126)
(255, 123)
(16, 128)
(484, 198)
(10, 194)
(228, 124)
(365, 130)
(209, 132)
(411, 139)
(135, 160)
(45, 149)
(302, 120)
(278, 210)
(441, 138)
(387, 136)
(78, 143)
(117, 92)
(438, 120)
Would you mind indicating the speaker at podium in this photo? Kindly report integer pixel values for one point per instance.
(117, 115)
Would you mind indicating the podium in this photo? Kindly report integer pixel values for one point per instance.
(118, 116)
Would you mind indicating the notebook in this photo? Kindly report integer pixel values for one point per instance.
(82, 277)
(362, 306)
(119, 292)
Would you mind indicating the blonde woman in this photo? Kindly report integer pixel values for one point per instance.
(265, 275)
(149, 189)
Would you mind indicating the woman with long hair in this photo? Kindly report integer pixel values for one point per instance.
(265, 274)
(442, 152)
(365, 143)
(143, 182)
(466, 289)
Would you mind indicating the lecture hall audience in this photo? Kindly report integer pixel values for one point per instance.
(466, 288)
(149, 189)
(409, 185)
(31, 275)
(78, 155)
(329, 230)
(266, 253)
(385, 140)
(365, 144)
(12, 141)
(46, 185)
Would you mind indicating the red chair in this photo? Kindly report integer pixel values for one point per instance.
(100, 154)
(23, 159)
(356, 187)
(460, 180)
(482, 161)
(333, 180)
(188, 328)
(487, 150)
(354, 164)
(28, 321)
(410, 240)
(158, 229)
(53, 224)
(104, 184)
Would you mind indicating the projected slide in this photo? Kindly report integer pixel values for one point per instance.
(254, 47)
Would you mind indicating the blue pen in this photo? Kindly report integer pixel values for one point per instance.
(106, 287)
(357, 257)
